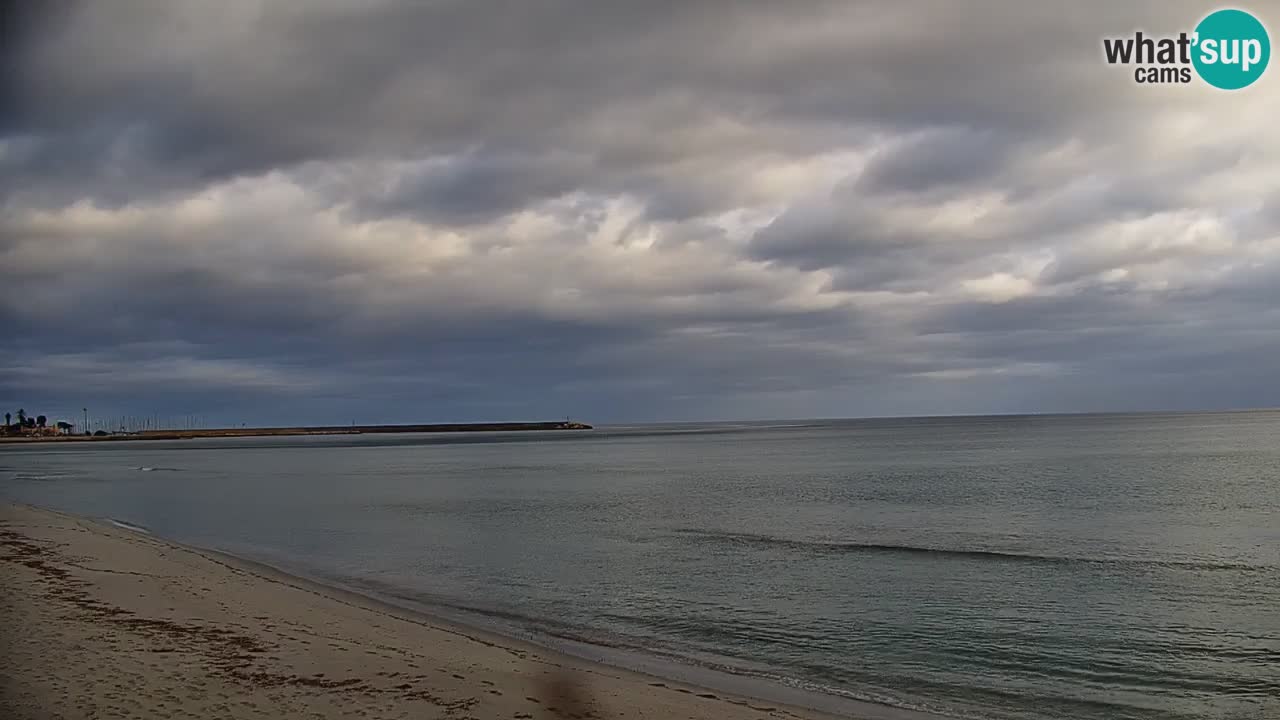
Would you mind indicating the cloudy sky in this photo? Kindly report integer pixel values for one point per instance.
(330, 211)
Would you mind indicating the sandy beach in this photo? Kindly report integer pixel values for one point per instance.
(102, 622)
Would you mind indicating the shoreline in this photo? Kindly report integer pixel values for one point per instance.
(304, 430)
(601, 683)
(648, 666)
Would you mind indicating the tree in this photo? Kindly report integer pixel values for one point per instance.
(22, 416)
(41, 420)
(7, 418)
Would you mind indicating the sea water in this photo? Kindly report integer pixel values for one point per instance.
(1106, 566)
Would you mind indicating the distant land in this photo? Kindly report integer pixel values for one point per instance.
(315, 430)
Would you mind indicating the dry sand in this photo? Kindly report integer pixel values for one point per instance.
(101, 622)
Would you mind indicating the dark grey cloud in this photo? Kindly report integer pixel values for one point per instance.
(248, 87)
(860, 249)
(938, 158)
(480, 185)
(448, 210)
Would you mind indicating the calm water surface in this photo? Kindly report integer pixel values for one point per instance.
(1028, 567)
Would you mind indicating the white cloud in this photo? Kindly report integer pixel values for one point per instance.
(998, 287)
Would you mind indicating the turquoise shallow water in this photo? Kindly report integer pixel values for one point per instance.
(1121, 566)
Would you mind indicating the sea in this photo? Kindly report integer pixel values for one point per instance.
(1014, 567)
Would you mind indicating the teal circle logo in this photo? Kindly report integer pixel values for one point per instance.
(1231, 49)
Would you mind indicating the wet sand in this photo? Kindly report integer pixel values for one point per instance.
(102, 622)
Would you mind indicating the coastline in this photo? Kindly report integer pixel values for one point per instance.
(304, 430)
(145, 617)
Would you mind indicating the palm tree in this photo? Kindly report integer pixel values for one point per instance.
(22, 416)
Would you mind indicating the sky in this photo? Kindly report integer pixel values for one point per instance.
(333, 212)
